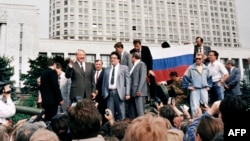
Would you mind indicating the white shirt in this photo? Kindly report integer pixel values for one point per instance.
(7, 109)
(83, 65)
(113, 86)
(217, 70)
(136, 62)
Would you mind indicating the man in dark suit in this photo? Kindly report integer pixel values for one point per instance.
(116, 86)
(146, 57)
(125, 56)
(81, 74)
(50, 91)
(200, 48)
(138, 88)
(232, 83)
(97, 97)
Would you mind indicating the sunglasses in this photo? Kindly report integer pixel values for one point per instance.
(198, 58)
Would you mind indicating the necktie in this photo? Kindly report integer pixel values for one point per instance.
(200, 50)
(113, 76)
(82, 67)
(96, 77)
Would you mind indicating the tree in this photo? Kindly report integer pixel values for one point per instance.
(37, 66)
(6, 72)
(245, 89)
(30, 79)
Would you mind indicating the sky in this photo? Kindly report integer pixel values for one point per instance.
(242, 8)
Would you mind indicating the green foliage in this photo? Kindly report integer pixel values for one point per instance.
(6, 72)
(30, 79)
(245, 89)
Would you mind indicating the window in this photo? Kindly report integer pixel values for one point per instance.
(57, 55)
(43, 54)
(105, 59)
(90, 58)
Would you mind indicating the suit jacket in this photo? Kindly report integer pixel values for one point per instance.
(233, 81)
(123, 82)
(82, 83)
(99, 84)
(146, 57)
(138, 80)
(126, 60)
(50, 92)
(206, 50)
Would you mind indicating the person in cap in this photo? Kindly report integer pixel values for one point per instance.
(7, 106)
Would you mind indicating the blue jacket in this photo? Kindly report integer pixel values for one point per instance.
(192, 77)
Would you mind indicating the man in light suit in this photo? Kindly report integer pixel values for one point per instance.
(116, 86)
(147, 58)
(232, 83)
(200, 48)
(138, 89)
(81, 74)
(125, 56)
(64, 85)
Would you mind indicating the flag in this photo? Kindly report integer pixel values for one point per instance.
(166, 60)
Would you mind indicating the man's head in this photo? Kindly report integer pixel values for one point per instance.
(51, 63)
(58, 69)
(80, 55)
(213, 55)
(98, 64)
(135, 56)
(115, 58)
(5, 87)
(198, 58)
(137, 44)
(173, 75)
(84, 120)
(229, 64)
(199, 41)
(118, 47)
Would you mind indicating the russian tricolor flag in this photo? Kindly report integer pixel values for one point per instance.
(170, 59)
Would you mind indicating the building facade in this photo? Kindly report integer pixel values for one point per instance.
(152, 21)
(19, 40)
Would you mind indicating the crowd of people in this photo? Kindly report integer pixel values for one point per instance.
(90, 102)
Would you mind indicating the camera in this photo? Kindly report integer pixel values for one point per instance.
(106, 112)
(157, 101)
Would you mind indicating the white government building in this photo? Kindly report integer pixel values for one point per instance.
(19, 36)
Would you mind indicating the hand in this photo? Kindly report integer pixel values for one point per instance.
(191, 88)
(227, 87)
(138, 93)
(158, 106)
(220, 83)
(127, 97)
(110, 116)
(93, 95)
(61, 103)
(71, 62)
(207, 88)
(150, 72)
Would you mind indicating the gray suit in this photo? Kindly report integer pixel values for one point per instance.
(116, 98)
(64, 85)
(233, 81)
(82, 83)
(138, 84)
(126, 60)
